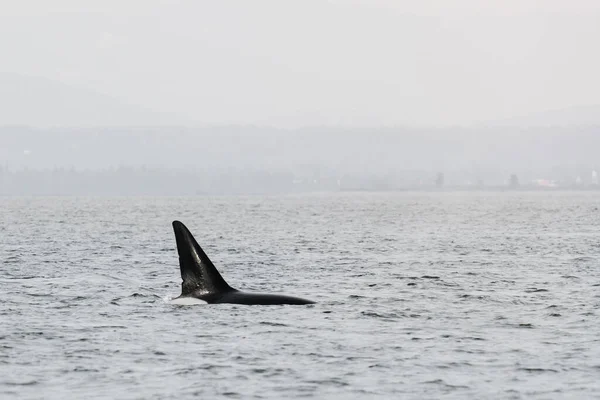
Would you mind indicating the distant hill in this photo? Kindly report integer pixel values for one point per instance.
(41, 102)
(571, 116)
(489, 154)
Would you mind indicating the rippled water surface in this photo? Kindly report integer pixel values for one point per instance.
(419, 295)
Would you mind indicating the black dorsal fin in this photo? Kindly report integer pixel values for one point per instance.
(199, 275)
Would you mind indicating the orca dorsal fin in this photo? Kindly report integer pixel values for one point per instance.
(198, 273)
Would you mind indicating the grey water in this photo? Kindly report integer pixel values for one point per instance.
(419, 295)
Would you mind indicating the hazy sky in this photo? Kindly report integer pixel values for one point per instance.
(291, 63)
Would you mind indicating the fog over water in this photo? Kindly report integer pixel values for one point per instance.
(297, 63)
(344, 94)
(242, 159)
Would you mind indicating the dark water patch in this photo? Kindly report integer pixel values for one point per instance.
(535, 290)
(231, 394)
(472, 351)
(75, 299)
(40, 294)
(110, 327)
(270, 323)
(379, 365)
(444, 384)
(24, 383)
(583, 259)
(84, 369)
(398, 276)
(537, 370)
(384, 316)
(19, 277)
(525, 325)
(358, 358)
(449, 284)
(329, 382)
(467, 296)
(206, 367)
(33, 333)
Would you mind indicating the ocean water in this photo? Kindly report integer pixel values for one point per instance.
(419, 295)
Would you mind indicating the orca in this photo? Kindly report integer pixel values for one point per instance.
(201, 280)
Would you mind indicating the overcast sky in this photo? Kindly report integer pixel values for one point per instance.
(291, 63)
